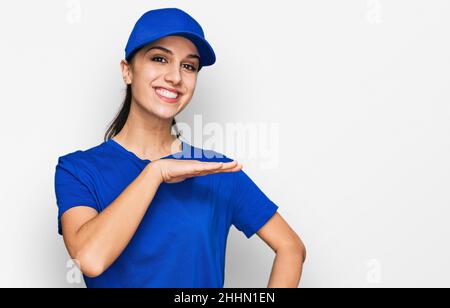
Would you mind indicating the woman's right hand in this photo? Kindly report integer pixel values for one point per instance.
(175, 171)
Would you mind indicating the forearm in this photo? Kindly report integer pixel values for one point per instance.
(287, 268)
(102, 239)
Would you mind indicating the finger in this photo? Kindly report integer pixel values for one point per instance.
(204, 168)
(216, 165)
(212, 166)
(233, 169)
(207, 169)
(221, 167)
(228, 165)
(202, 164)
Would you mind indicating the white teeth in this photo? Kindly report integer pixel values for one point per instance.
(166, 93)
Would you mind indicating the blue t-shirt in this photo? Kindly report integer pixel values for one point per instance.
(181, 240)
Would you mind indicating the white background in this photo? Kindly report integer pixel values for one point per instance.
(359, 88)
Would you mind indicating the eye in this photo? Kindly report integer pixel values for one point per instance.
(191, 68)
(161, 58)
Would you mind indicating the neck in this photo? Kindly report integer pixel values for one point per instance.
(147, 135)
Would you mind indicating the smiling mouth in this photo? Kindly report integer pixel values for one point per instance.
(167, 96)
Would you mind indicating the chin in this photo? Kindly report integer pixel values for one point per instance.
(165, 113)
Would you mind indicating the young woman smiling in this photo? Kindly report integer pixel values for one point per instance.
(145, 208)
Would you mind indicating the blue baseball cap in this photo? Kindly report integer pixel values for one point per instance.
(156, 24)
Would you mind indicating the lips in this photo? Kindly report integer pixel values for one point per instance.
(167, 95)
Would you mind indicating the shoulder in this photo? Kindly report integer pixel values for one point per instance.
(205, 154)
(84, 158)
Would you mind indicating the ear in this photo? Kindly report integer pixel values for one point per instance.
(127, 72)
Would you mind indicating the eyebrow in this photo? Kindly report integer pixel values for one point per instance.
(191, 56)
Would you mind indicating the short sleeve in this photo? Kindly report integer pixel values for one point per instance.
(251, 207)
(71, 190)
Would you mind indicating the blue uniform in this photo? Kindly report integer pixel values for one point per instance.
(181, 240)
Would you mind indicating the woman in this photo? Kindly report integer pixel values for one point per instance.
(146, 209)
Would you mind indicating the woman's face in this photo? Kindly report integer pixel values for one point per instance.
(163, 75)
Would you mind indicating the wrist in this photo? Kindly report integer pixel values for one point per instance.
(153, 172)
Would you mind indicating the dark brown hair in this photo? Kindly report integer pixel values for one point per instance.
(119, 121)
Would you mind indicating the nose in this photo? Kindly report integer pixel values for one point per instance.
(173, 75)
